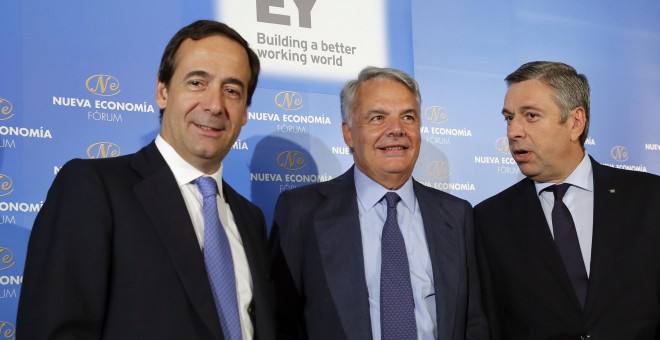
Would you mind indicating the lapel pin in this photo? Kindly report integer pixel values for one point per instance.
(612, 191)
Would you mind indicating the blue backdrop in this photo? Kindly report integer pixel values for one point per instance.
(77, 80)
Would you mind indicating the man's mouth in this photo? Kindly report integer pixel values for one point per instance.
(206, 128)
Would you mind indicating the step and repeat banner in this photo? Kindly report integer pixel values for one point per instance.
(77, 80)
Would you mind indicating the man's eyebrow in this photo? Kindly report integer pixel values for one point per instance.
(197, 73)
(234, 81)
(522, 108)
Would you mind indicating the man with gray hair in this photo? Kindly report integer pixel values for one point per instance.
(571, 251)
(374, 254)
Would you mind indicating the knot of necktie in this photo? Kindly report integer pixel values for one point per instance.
(392, 199)
(207, 186)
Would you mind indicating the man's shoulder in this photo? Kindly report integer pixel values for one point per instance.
(629, 176)
(505, 196)
(436, 194)
(339, 183)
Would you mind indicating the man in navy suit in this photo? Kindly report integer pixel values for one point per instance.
(116, 252)
(326, 237)
(536, 286)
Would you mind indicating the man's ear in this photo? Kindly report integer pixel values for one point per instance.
(348, 138)
(578, 121)
(161, 95)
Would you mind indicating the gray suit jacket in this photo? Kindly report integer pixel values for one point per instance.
(318, 264)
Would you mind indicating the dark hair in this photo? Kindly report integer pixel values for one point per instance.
(198, 30)
(571, 89)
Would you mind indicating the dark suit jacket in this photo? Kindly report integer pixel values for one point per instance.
(527, 291)
(318, 264)
(113, 255)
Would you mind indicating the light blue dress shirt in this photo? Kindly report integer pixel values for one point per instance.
(580, 202)
(373, 212)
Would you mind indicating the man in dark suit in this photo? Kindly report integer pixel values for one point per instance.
(332, 270)
(119, 249)
(586, 272)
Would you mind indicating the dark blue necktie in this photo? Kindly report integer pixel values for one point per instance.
(219, 262)
(567, 242)
(397, 307)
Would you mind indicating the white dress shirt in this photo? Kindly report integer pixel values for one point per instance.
(185, 174)
(580, 202)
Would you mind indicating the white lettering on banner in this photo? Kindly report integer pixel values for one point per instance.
(20, 207)
(654, 147)
(486, 160)
(294, 178)
(5, 219)
(513, 170)
(239, 145)
(265, 177)
(25, 132)
(451, 186)
(103, 104)
(438, 140)
(11, 280)
(310, 119)
(73, 102)
(104, 116)
(641, 168)
(8, 143)
(341, 150)
(291, 129)
(448, 131)
(8, 294)
(264, 116)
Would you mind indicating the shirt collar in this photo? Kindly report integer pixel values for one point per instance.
(369, 192)
(581, 177)
(184, 172)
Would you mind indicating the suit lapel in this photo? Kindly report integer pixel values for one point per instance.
(605, 232)
(163, 203)
(440, 227)
(535, 235)
(337, 228)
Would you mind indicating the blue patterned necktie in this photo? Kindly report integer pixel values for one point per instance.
(219, 262)
(397, 307)
(567, 242)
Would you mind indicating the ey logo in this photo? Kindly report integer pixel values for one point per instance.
(289, 100)
(103, 150)
(102, 85)
(502, 145)
(438, 169)
(6, 185)
(436, 114)
(6, 109)
(304, 8)
(291, 160)
(619, 153)
(6, 258)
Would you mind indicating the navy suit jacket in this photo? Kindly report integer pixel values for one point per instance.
(318, 264)
(113, 255)
(527, 292)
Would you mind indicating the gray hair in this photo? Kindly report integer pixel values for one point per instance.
(347, 96)
(571, 89)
